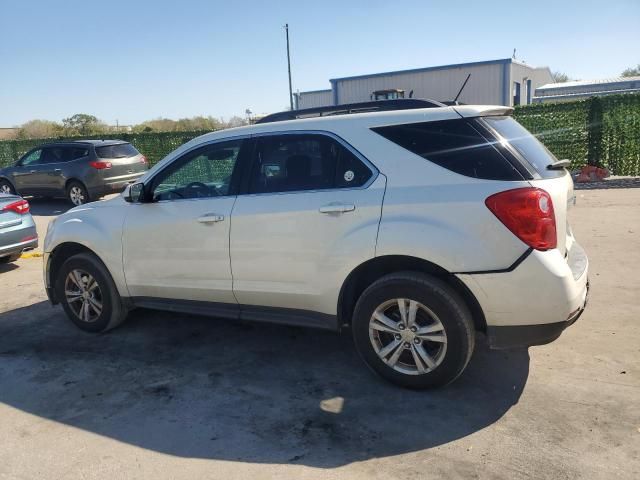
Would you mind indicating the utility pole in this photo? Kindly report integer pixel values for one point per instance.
(286, 27)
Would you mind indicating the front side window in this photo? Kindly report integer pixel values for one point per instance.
(32, 158)
(303, 162)
(203, 173)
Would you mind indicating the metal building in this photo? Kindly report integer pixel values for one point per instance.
(492, 82)
(568, 91)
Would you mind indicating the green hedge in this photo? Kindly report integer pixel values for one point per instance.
(602, 131)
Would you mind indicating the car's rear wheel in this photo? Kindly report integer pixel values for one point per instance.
(10, 258)
(6, 187)
(77, 193)
(413, 330)
(88, 294)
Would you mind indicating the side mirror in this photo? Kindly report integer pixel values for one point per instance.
(134, 193)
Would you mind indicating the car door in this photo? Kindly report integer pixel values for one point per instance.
(26, 170)
(47, 178)
(309, 213)
(176, 244)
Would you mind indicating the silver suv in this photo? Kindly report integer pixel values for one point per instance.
(81, 171)
(414, 228)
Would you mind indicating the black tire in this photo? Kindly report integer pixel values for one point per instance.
(9, 259)
(438, 297)
(77, 193)
(113, 311)
(7, 187)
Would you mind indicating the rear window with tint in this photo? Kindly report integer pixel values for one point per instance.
(528, 146)
(455, 145)
(121, 150)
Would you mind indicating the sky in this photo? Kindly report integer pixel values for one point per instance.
(130, 61)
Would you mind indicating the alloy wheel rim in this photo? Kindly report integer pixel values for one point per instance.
(83, 295)
(5, 188)
(408, 336)
(77, 196)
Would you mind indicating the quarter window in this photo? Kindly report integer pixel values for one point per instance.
(302, 162)
(455, 145)
(203, 173)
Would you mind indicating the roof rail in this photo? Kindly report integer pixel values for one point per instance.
(347, 108)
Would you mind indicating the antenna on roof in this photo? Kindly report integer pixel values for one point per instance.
(514, 54)
(462, 88)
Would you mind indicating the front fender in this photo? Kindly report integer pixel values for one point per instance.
(97, 229)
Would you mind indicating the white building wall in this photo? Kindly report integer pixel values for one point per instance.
(521, 73)
(486, 85)
(313, 99)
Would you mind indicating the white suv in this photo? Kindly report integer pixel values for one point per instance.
(413, 227)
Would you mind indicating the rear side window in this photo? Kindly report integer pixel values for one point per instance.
(121, 150)
(298, 162)
(528, 146)
(455, 145)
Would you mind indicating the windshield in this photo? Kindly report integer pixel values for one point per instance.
(528, 146)
(121, 150)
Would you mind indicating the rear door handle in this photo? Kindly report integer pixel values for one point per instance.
(337, 208)
(211, 218)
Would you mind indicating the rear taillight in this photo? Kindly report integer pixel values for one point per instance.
(21, 207)
(528, 213)
(143, 159)
(100, 165)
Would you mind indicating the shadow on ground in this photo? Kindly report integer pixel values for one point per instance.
(629, 182)
(206, 388)
(48, 207)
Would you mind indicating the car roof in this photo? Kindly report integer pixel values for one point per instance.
(73, 143)
(366, 120)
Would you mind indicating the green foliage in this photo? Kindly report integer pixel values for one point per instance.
(602, 131)
(560, 77)
(631, 72)
(82, 124)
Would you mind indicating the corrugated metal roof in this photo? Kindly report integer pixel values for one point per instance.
(427, 69)
(586, 83)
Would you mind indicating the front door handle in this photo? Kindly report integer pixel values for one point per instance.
(337, 208)
(211, 218)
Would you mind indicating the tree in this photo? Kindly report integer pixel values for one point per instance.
(40, 129)
(631, 71)
(83, 124)
(560, 77)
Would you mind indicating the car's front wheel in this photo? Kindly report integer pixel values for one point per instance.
(88, 294)
(413, 330)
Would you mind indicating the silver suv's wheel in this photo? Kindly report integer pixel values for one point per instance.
(408, 336)
(83, 295)
(414, 330)
(88, 294)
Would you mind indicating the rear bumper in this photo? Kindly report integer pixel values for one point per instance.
(16, 248)
(533, 303)
(501, 337)
(116, 185)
